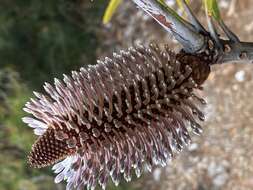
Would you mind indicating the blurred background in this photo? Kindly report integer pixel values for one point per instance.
(40, 40)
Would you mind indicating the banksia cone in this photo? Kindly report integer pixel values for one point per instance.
(124, 113)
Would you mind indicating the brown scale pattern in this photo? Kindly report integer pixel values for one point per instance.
(47, 149)
(123, 111)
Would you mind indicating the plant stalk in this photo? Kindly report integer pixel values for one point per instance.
(236, 52)
(184, 32)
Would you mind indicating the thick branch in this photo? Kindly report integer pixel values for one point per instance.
(236, 52)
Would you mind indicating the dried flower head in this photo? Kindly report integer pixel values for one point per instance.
(124, 113)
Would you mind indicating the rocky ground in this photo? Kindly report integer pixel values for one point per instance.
(222, 157)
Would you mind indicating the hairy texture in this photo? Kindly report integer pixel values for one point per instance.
(124, 113)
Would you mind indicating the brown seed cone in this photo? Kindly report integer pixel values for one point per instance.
(118, 114)
(47, 149)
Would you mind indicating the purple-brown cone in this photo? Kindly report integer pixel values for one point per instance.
(118, 115)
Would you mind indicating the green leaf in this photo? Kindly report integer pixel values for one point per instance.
(180, 4)
(165, 7)
(213, 9)
(112, 7)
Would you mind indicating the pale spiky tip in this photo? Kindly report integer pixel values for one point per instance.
(108, 119)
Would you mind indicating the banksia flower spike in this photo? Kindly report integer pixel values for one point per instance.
(126, 112)
(133, 110)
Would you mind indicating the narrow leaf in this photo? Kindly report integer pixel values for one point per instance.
(180, 4)
(110, 10)
(213, 9)
(182, 30)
